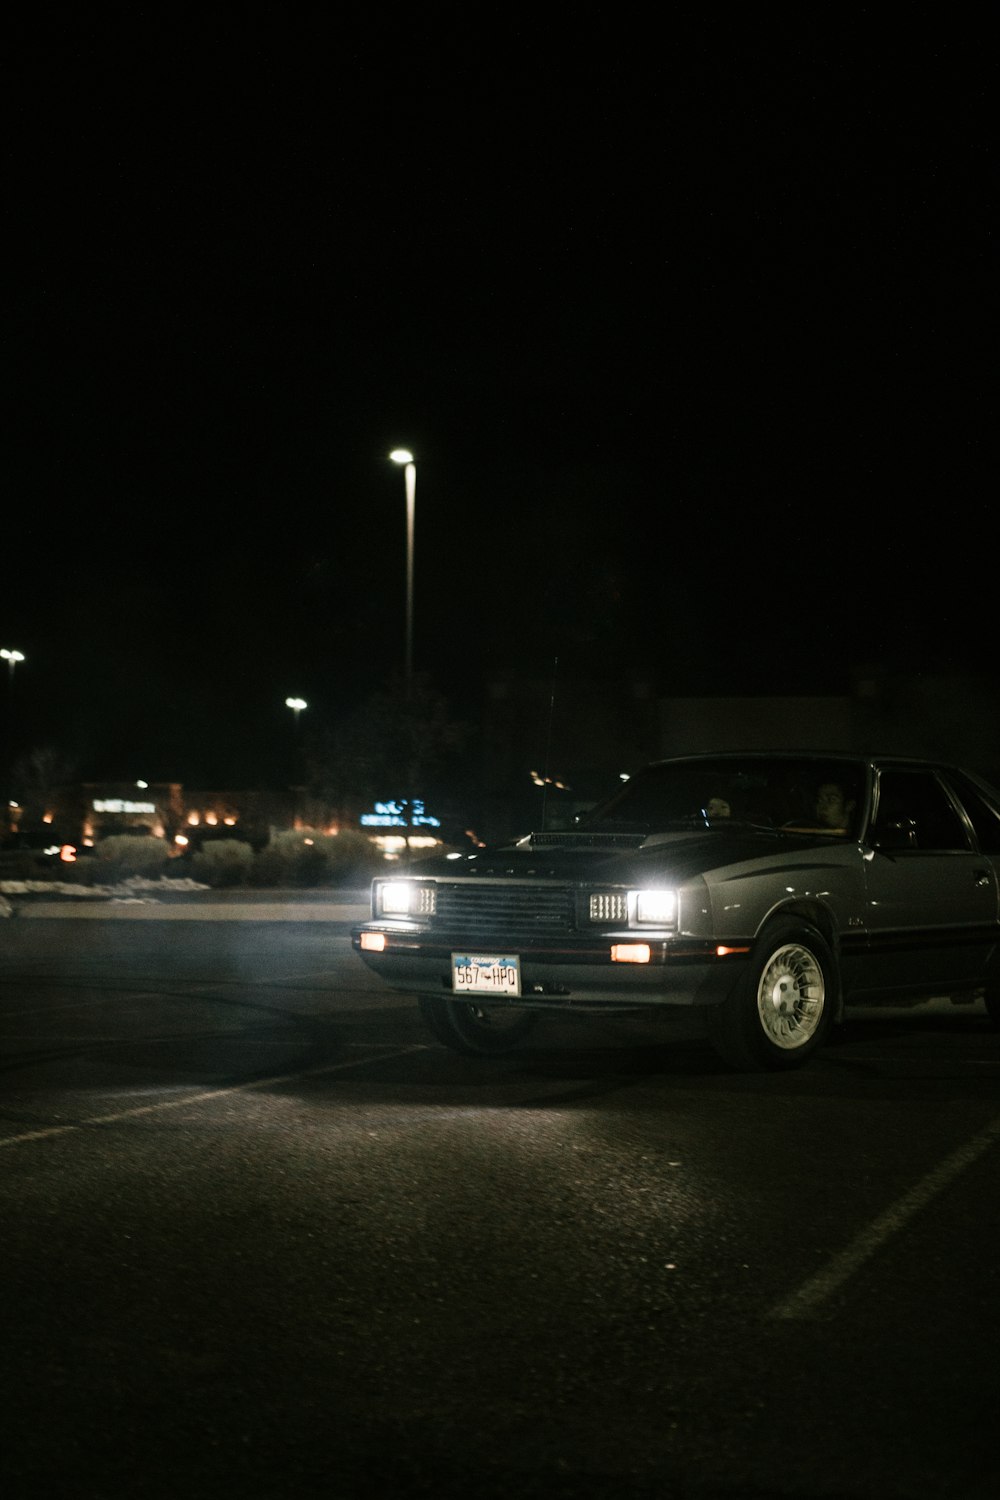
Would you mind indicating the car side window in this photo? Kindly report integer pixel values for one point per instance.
(984, 818)
(915, 803)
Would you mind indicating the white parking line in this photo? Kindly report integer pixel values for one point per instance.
(805, 1302)
(236, 1088)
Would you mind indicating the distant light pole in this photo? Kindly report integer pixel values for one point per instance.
(11, 658)
(404, 456)
(296, 705)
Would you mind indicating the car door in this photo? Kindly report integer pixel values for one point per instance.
(931, 898)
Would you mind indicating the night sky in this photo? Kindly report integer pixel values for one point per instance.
(690, 335)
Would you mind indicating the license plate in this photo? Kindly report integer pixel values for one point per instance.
(485, 974)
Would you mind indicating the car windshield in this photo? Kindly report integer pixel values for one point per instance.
(798, 794)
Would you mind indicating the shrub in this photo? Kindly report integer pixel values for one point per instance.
(352, 856)
(125, 854)
(223, 862)
(308, 858)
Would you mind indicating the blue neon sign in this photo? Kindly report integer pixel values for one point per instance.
(394, 815)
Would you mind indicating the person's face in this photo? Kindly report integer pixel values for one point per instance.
(718, 807)
(832, 807)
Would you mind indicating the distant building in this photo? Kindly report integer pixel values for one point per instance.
(87, 812)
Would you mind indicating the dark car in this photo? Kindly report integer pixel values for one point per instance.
(766, 889)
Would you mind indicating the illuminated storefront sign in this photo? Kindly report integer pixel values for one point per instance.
(394, 815)
(121, 805)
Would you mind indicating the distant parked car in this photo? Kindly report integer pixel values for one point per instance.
(765, 889)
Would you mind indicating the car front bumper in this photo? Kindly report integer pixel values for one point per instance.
(680, 971)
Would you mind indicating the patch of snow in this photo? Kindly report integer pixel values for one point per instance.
(135, 888)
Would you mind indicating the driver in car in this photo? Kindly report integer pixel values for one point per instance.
(834, 809)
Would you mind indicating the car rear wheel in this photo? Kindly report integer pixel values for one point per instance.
(781, 1010)
(476, 1030)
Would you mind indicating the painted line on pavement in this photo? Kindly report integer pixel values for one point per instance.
(806, 1302)
(237, 1088)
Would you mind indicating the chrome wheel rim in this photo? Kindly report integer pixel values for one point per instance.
(791, 995)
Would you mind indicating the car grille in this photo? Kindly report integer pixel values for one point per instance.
(486, 909)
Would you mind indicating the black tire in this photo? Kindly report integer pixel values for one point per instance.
(476, 1030)
(781, 1010)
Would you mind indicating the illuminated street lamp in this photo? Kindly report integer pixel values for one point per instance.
(404, 456)
(11, 658)
(296, 705)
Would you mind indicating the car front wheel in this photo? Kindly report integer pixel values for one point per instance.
(476, 1030)
(781, 1010)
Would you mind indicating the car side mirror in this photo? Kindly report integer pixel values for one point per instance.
(901, 835)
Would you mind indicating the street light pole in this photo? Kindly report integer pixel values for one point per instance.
(296, 705)
(404, 456)
(11, 658)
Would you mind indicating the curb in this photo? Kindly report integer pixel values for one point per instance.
(247, 906)
(144, 911)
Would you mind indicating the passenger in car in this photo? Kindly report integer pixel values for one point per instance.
(718, 807)
(834, 809)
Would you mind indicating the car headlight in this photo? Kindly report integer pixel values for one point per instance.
(648, 908)
(656, 907)
(608, 906)
(404, 898)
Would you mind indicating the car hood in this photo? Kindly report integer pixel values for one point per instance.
(618, 858)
